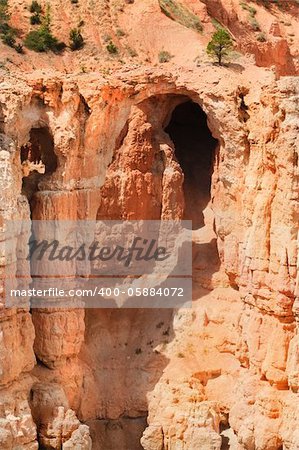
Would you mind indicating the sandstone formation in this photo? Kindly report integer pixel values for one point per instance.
(191, 140)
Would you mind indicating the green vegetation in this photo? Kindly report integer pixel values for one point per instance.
(4, 15)
(120, 32)
(35, 8)
(164, 56)
(19, 48)
(132, 52)
(250, 9)
(107, 38)
(9, 39)
(76, 39)
(265, 3)
(42, 39)
(36, 11)
(179, 13)
(111, 48)
(261, 37)
(252, 12)
(281, 4)
(220, 45)
(7, 33)
(216, 24)
(254, 24)
(35, 19)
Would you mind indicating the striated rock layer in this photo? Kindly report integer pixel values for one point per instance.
(232, 361)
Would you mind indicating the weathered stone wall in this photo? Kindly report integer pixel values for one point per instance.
(239, 343)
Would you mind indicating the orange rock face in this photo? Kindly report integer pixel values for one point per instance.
(215, 145)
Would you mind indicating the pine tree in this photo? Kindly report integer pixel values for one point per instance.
(76, 39)
(220, 45)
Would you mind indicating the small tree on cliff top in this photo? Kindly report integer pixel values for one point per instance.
(220, 45)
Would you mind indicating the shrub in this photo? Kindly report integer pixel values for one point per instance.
(181, 14)
(76, 39)
(36, 11)
(9, 38)
(35, 8)
(4, 28)
(216, 24)
(254, 24)
(120, 32)
(4, 15)
(7, 33)
(35, 19)
(252, 11)
(42, 40)
(220, 45)
(164, 56)
(107, 38)
(132, 52)
(261, 37)
(39, 41)
(74, 2)
(111, 48)
(19, 48)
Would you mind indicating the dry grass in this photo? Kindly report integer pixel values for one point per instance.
(179, 13)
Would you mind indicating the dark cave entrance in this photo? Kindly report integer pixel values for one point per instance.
(194, 148)
(38, 159)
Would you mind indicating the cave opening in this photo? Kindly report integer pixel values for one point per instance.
(38, 159)
(194, 149)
